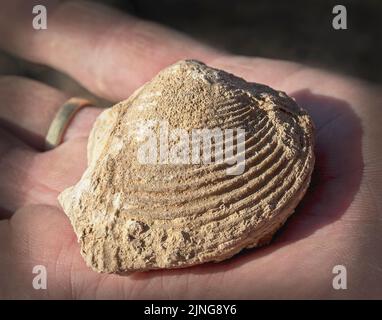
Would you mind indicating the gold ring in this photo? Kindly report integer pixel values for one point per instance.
(62, 119)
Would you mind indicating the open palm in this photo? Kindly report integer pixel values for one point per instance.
(337, 223)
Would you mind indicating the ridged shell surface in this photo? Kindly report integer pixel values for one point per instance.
(131, 215)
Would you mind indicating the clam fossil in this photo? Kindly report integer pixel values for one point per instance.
(131, 215)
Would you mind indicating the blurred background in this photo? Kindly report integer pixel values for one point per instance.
(297, 30)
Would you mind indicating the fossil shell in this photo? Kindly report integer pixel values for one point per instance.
(130, 215)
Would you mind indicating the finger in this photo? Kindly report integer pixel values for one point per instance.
(26, 176)
(30, 178)
(28, 107)
(109, 52)
(11, 150)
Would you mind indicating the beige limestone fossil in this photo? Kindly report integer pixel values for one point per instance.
(131, 215)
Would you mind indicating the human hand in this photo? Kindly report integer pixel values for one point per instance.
(338, 222)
